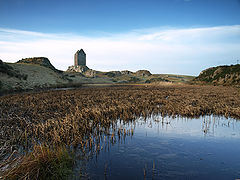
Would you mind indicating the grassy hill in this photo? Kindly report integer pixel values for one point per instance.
(42, 61)
(28, 76)
(220, 75)
(143, 76)
(38, 73)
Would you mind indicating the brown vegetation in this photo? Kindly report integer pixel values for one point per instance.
(42, 163)
(79, 117)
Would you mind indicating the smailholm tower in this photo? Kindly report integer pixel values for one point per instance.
(80, 58)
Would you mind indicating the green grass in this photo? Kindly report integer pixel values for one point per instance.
(216, 73)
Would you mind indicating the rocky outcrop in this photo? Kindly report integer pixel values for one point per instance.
(42, 61)
(90, 73)
(113, 74)
(81, 69)
(126, 72)
(143, 73)
(220, 75)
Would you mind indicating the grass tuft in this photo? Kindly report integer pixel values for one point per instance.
(43, 163)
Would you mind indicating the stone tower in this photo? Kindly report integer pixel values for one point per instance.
(80, 58)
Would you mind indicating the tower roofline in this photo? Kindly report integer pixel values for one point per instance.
(81, 50)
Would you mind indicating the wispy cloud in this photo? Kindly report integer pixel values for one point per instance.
(171, 50)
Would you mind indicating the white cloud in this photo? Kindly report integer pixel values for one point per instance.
(182, 51)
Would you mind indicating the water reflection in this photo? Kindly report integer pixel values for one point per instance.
(208, 126)
(169, 148)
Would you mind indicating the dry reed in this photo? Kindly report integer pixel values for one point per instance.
(42, 163)
(79, 117)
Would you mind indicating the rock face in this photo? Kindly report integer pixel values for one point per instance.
(80, 69)
(143, 73)
(90, 73)
(220, 75)
(126, 72)
(42, 61)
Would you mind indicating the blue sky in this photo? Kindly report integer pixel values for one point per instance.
(164, 36)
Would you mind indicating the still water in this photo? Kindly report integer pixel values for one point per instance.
(171, 148)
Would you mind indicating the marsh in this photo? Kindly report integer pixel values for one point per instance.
(80, 118)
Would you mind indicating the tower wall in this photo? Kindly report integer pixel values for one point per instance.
(80, 58)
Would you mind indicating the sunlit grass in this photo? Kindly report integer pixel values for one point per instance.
(42, 163)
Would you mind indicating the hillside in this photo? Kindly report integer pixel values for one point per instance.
(28, 76)
(220, 75)
(142, 76)
(42, 61)
(39, 73)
